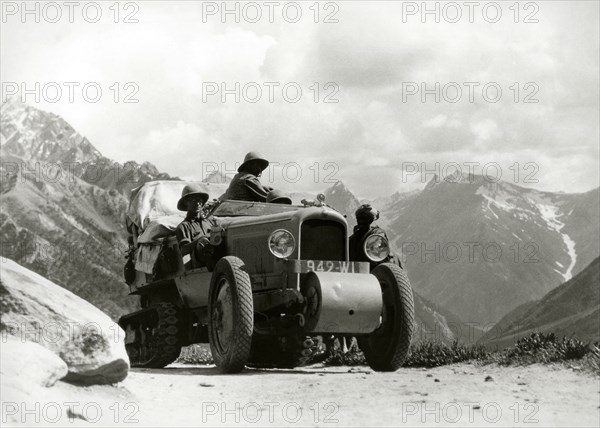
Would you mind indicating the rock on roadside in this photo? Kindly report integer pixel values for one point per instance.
(26, 364)
(87, 340)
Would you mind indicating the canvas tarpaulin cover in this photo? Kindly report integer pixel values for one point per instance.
(157, 199)
(153, 209)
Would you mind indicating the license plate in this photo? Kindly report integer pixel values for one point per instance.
(330, 266)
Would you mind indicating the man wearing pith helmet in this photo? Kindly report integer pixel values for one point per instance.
(246, 185)
(192, 200)
(365, 216)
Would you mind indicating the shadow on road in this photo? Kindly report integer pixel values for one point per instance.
(213, 371)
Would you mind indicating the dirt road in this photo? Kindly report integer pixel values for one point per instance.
(457, 395)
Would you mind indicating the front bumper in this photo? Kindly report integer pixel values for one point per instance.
(339, 302)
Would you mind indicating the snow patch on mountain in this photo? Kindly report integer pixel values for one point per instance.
(531, 205)
(550, 214)
(503, 197)
(571, 248)
(498, 197)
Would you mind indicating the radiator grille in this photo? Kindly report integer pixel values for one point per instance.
(322, 240)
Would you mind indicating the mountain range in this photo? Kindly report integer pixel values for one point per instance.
(545, 238)
(481, 248)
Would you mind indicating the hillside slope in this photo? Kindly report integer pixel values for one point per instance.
(573, 308)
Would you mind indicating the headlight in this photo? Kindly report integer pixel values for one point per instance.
(376, 248)
(281, 243)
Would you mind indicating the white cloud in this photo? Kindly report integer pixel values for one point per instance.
(484, 130)
(435, 122)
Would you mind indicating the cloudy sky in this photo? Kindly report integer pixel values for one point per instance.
(375, 61)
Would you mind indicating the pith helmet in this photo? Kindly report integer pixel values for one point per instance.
(254, 157)
(278, 197)
(191, 190)
(366, 212)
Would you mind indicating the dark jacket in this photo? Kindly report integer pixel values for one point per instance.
(247, 187)
(188, 230)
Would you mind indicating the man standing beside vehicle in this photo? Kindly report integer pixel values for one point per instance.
(246, 185)
(187, 232)
(365, 216)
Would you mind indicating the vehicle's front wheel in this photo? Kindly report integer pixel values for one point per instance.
(231, 315)
(386, 348)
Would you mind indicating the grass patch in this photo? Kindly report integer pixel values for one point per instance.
(435, 354)
(196, 354)
(422, 354)
(540, 348)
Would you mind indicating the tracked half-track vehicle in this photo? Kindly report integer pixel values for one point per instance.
(277, 276)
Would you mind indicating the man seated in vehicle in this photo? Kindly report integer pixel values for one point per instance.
(246, 185)
(190, 233)
(365, 216)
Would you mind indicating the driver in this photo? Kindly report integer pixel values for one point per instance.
(190, 233)
(246, 185)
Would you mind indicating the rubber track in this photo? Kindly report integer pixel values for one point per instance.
(166, 337)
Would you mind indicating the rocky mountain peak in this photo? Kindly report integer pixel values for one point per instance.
(40, 136)
(342, 199)
(12, 104)
(33, 135)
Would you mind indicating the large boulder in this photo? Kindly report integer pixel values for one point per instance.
(88, 341)
(27, 364)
